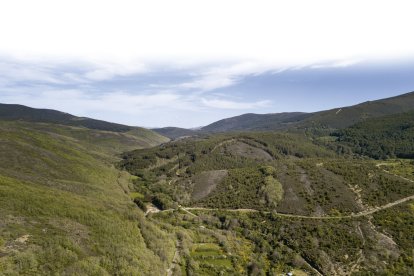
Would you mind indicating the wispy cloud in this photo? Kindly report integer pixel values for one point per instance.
(141, 93)
(337, 64)
(227, 104)
(107, 71)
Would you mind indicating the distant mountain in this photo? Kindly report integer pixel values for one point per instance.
(347, 116)
(252, 121)
(175, 132)
(126, 137)
(337, 118)
(21, 112)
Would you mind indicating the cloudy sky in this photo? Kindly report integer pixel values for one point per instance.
(188, 63)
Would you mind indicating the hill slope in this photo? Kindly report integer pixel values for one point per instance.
(65, 209)
(347, 116)
(332, 119)
(129, 137)
(255, 122)
(271, 203)
(384, 137)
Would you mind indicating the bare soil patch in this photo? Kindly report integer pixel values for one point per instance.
(206, 182)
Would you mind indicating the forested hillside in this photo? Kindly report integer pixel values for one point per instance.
(336, 118)
(381, 138)
(271, 203)
(256, 122)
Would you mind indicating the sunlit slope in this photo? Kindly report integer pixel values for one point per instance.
(65, 209)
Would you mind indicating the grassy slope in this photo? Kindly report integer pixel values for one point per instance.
(65, 209)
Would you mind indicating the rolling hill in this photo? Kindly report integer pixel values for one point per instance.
(121, 137)
(284, 201)
(256, 122)
(64, 207)
(346, 116)
(337, 118)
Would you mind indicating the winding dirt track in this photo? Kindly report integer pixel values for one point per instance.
(357, 215)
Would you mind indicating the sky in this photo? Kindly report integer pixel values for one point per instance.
(189, 63)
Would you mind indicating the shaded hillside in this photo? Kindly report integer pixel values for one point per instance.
(65, 209)
(175, 132)
(380, 138)
(256, 122)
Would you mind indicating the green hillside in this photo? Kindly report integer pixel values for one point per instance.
(347, 116)
(65, 209)
(85, 201)
(256, 122)
(381, 138)
(14, 112)
(266, 203)
(337, 118)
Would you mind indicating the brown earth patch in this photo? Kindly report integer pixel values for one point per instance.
(206, 182)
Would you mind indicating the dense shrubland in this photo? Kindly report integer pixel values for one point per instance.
(381, 138)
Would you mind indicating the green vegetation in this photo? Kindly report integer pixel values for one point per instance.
(250, 203)
(318, 122)
(64, 209)
(175, 132)
(377, 187)
(381, 138)
(274, 172)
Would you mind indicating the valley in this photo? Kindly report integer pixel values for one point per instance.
(85, 197)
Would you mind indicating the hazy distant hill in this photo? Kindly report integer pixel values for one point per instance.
(335, 118)
(174, 132)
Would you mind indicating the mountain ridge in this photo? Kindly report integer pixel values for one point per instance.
(335, 118)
